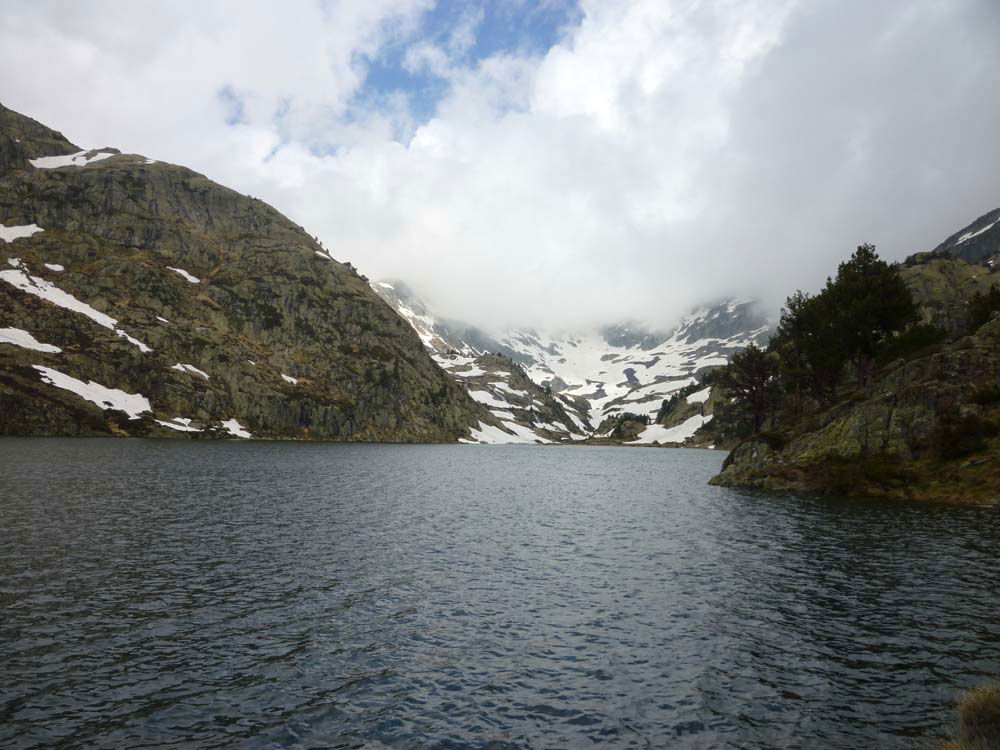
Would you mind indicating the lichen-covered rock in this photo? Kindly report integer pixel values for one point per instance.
(287, 341)
(942, 286)
(892, 440)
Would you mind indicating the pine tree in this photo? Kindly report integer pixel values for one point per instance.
(870, 302)
(810, 357)
(751, 378)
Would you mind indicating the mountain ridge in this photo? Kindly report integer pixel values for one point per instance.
(221, 315)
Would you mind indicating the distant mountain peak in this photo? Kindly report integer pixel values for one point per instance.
(594, 374)
(979, 242)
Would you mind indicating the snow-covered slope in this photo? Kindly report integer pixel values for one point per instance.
(590, 375)
(528, 412)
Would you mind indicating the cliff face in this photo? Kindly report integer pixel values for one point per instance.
(926, 427)
(212, 307)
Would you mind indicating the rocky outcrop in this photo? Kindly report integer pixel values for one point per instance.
(926, 428)
(221, 309)
(941, 287)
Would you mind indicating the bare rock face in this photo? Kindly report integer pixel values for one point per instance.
(227, 318)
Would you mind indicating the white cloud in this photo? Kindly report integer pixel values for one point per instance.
(661, 154)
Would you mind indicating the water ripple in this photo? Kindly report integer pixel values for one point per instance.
(162, 594)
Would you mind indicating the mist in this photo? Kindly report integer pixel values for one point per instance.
(655, 156)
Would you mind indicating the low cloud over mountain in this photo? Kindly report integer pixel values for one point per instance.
(620, 161)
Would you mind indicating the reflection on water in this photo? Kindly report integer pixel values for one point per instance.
(165, 593)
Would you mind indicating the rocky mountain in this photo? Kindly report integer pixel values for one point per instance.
(585, 381)
(977, 243)
(141, 298)
(928, 424)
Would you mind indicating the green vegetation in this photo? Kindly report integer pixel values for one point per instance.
(986, 395)
(751, 378)
(915, 340)
(862, 317)
(981, 308)
(958, 436)
(856, 397)
(870, 302)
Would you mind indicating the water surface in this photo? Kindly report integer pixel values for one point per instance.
(245, 594)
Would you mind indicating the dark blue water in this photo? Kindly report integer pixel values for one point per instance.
(175, 594)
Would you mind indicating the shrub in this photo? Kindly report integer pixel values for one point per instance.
(981, 308)
(960, 436)
(776, 441)
(978, 720)
(628, 416)
(986, 395)
(914, 340)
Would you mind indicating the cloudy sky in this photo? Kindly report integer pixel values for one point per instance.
(553, 162)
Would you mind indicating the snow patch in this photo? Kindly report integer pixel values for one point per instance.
(180, 424)
(162, 320)
(487, 433)
(490, 434)
(676, 434)
(289, 379)
(132, 404)
(511, 391)
(485, 397)
(969, 235)
(235, 429)
(699, 397)
(25, 340)
(42, 288)
(181, 367)
(54, 267)
(9, 234)
(185, 274)
(79, 159)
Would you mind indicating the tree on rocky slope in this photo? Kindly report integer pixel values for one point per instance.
(851, 320)
(869, 302)
(751, 379)
(810, 359)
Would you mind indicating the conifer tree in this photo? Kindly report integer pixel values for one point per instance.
(869, 302)
(751, 378)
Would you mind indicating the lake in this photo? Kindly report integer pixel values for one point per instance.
(262, 595)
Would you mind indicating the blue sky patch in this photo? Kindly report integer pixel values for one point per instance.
(232, 104)
(515, 26)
